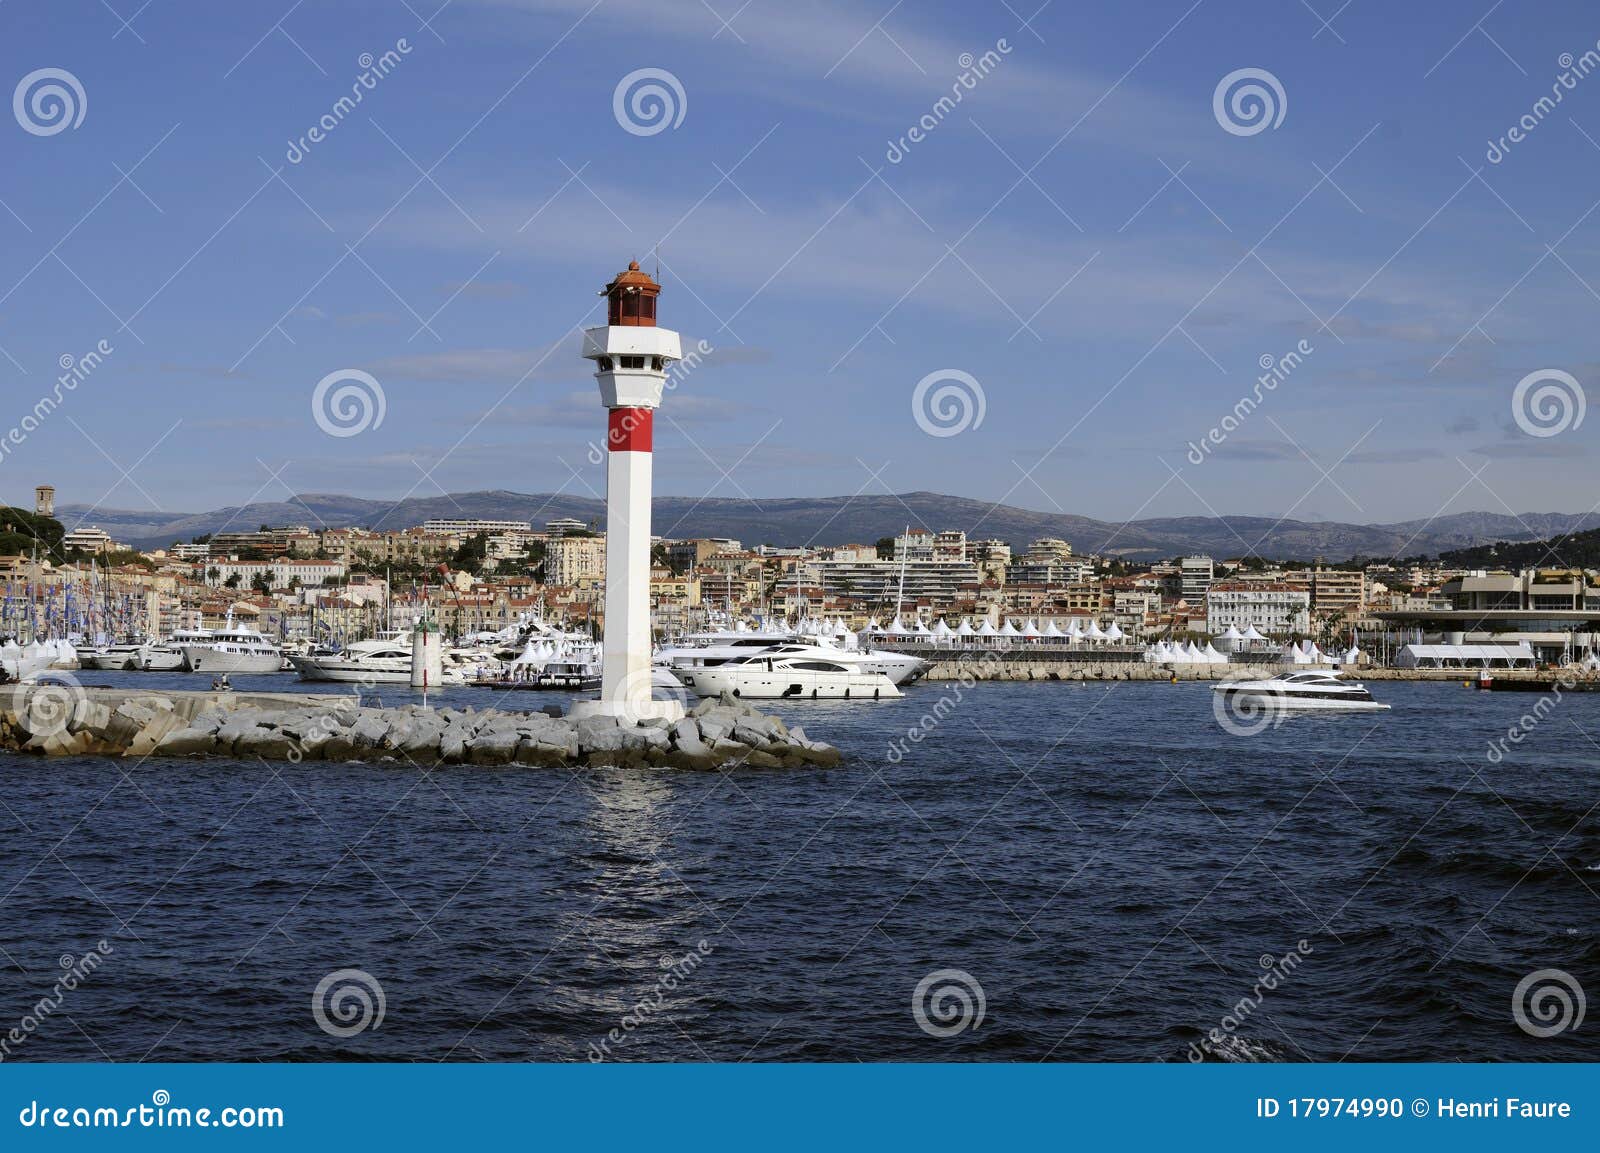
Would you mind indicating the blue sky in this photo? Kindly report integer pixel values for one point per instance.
(1080, 236)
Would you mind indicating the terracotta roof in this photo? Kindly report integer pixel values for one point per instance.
(632, 277)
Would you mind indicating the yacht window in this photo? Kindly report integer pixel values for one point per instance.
(605, 364)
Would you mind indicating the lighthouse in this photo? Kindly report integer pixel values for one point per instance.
(631, 354)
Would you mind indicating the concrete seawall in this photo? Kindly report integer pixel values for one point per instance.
(70, 720)
(1020, 667)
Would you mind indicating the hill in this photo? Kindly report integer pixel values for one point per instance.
(842, 520)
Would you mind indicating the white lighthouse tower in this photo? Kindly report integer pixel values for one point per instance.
(631, 355)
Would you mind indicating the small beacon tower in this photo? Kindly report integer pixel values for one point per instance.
(631, 356)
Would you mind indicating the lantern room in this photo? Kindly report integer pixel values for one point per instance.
(631, 298)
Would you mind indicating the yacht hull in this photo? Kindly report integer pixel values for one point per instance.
(204, 659)
(348, 672)
(1292, 702)
(789, 684)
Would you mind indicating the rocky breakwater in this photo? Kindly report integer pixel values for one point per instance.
(329, 728)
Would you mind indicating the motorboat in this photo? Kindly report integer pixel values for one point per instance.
(124, 656)
(708, 650)
(168, 657)
(382, 660)
(232, 649)
(1311, 690)
(813, 673)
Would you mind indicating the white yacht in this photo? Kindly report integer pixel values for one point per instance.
(124, 656)
(707, 650)
(1312, 690)
(167, 657)
(141, 656)
(812, 673)
(382, 660)
(231, 649)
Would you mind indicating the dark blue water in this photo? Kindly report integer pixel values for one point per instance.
(1105, 862)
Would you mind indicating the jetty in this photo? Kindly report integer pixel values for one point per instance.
(73, 720)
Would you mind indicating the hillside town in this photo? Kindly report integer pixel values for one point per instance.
(474, 575)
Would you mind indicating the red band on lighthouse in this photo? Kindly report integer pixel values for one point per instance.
(629, 430)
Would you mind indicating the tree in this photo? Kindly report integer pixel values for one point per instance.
(212, 574)
(262, 583)
(472, 553)
(23, 532)
(886, 548)
(232, 582)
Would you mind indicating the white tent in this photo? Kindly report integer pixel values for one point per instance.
(1030, 630)
(1051, 629)
(940, 629)
(1352, 655)
(1074, 633)
(986, 629)
(895, 627)
(1233, 634)
(964, 629)
(1114, 633)
(1212, 656)
(1008, 629)
(922, 630)
(1250, 634)
(1464, 656)
(1094, 633)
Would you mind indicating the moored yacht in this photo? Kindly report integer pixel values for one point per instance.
(809, 674)
(231, 649)
(1311, 690)
(707, 650)
(382, 660)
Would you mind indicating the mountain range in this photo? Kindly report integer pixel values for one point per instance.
(864, 519)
